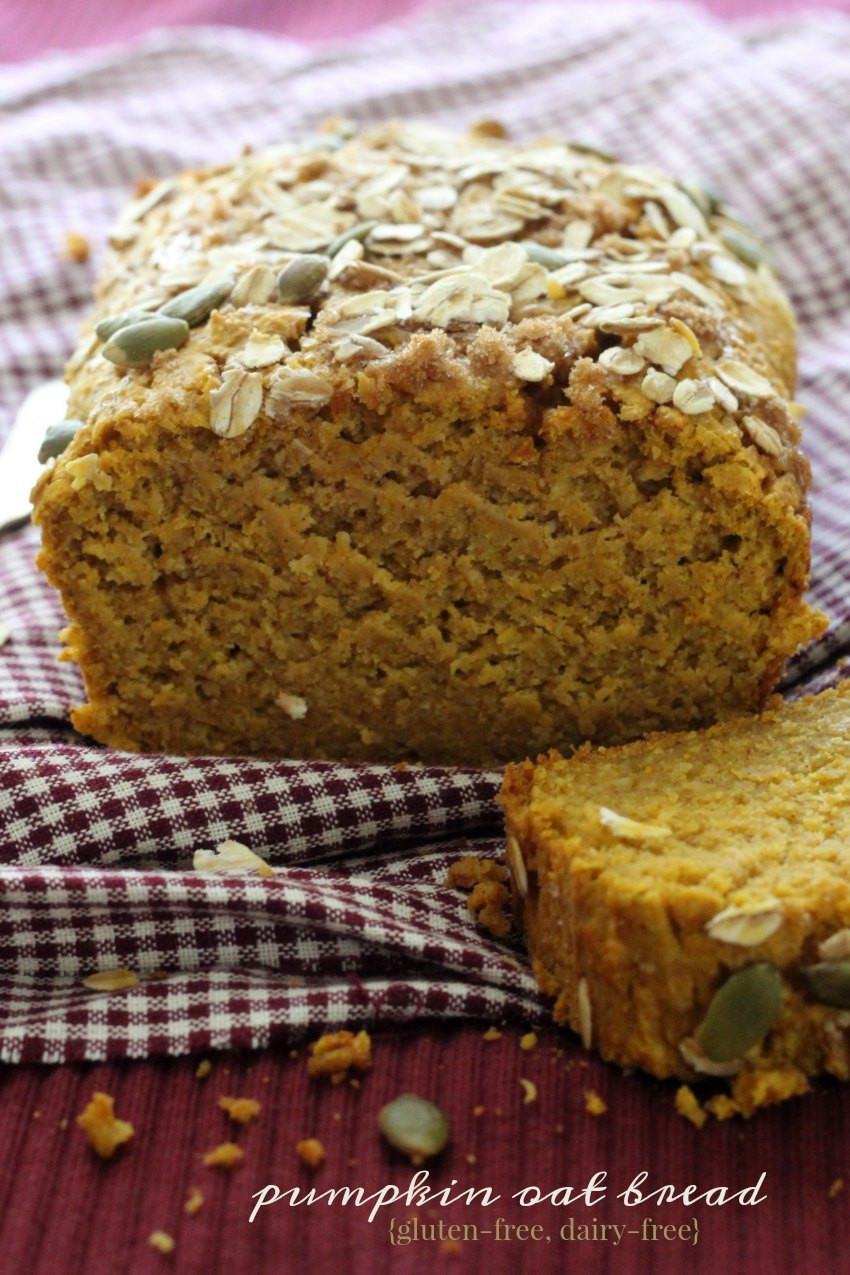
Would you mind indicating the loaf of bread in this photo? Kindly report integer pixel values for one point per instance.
(408, 445)
(686, 898)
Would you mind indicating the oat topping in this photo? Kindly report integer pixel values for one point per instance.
(746, 925)
(693, 397)
(231, 856)
(293, 705)
(585, 1014)
(763, 435)
(658, 386)
(111, 980)
(631, 829)
(381, 235)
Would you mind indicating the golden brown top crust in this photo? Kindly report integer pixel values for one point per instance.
(527, 260)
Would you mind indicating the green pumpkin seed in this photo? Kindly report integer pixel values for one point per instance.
(108, 327)
(745, 247)
(543, 256)
(136, 345)
(301, 278)
(829, 982)
(414, 1126)
(195, 305)
(584, 149)
(706, 198)
(361, 231)
(741, 1013)
(57, 438)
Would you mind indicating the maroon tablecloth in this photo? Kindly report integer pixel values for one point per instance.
(66, 1213)
(63, 1211)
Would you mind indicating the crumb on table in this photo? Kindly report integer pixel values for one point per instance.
(194, 1200)
(335, 1053)
(104, 1132)
(240, 1110)
(688, 1106)
(593, 1104)
(310, 1152)
(225, 1156)
(161, 1241)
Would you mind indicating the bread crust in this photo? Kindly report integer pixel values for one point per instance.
(646, 876)
(427, 511)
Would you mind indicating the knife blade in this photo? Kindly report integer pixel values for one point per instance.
(19, 466)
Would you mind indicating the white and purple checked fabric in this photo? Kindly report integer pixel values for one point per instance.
(354, 926)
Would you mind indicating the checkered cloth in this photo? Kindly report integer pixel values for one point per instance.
(355, 925)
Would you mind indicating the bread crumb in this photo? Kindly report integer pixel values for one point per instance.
(492, 1033)
(478, 1111)
(161, 1241)
(241, 1110)
(452, 1248)
(203, 1069)
(111, 980)
(486, 903)
(224, 1156)
(529, 1090)
(77, 247)
(63, 1123)
(593, 1104)
(194, 1200)
(310, 1152)
(722, 1107)
(471, 1158)
(835, 1188)
(528, 1041)
(466, 873)
(688, 1106)
(36, 1115)
(333, 1054)
(104, 1132)
(486, 880)
(752, 1090)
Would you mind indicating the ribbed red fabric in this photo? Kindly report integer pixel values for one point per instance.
(67, 1212)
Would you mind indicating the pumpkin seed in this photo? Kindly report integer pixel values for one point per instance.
(301, 278)
(136, 345)
(414, 1126)
(829, 982)
(705, 197)
(57, 438)
(108, 327)
(584, 149)
(195, 305)
(543, 256)
(745, 247)
(741, 1012)
(359, 232)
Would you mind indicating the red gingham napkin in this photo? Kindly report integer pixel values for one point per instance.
(355, 925)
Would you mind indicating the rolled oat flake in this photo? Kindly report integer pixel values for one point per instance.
(742, 1011)
(414, 1126)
